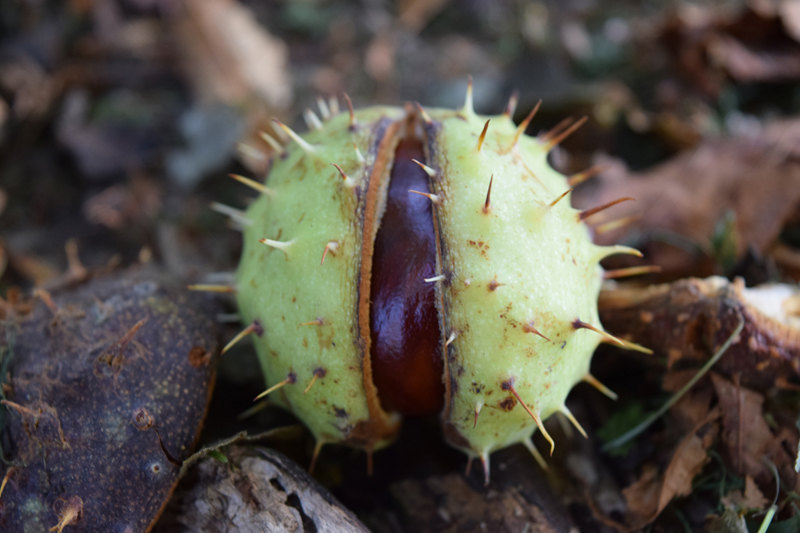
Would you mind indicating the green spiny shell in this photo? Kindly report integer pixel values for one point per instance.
(515, 277)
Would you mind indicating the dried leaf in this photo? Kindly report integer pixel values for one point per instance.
(751, 499)
(649, 495)
(748, 438)
(231, 57)
(755, 179)
(686, 320)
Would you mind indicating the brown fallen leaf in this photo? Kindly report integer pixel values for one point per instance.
(710, 44)
(231, 58)
(650, 494)
(752, 498)
(687, 320)
(747, 437)
(680, 203)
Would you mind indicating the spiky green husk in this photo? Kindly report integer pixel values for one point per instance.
(523, 265)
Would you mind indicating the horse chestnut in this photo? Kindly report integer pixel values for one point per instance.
(455, 278)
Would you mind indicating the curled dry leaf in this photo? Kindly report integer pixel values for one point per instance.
(101, 402)
(710, 44)
(686, 319)
(747, 437)
(752, 498)
(650, 494)
(757, 179)
(231, 58)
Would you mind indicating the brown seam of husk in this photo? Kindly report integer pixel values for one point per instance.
(380, 425)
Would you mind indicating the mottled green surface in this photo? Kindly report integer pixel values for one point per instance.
(524, 262)
(311, 207)
(540, 258)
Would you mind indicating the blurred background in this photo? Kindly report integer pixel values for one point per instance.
(120, 120)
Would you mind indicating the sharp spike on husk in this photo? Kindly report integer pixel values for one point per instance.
(615, 224)
(486, 467)
(316, 322)
(310, 383)
(611, 339)
(428, 170)
(440, 277)
(312, 120)
(554, 202)
(580, 177)
(569, 131)
(236, 215)
(273, 143)
(450, 339)
(353, 121)
(280, 134)
(203, 287)
(558, 128)
(323, 108)
(593, 381)
(509, 387)
(318, 373)
(566, 412)
(467, 109)
(282, 246)
(333, 105)
(488, 203)
(580, 324)
(528, 443)
(359, 157)
(583, 215)
(482, 137)
(606, 251)
(332, 247)
(529, 328)
(468, 468)
(5, 481)
(256, 186)
(424, 114)
(317, 449)
(290, 379)
(347, 180)
(257, 408)
(631, 271)
(524, 125)
(248, 151)
(511, 106)
(478, 408)
(302, 143)
(432, 197)
(635, 347)
(255, 327)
